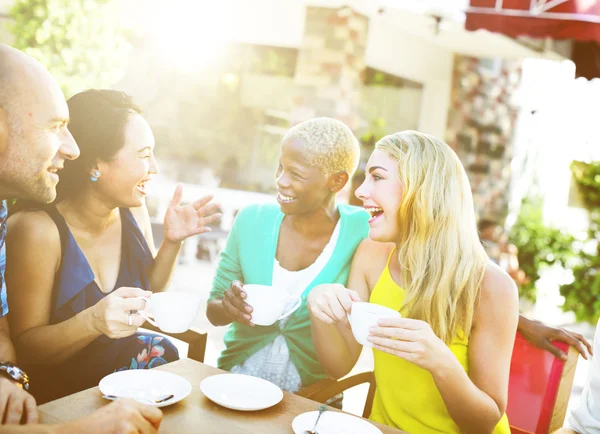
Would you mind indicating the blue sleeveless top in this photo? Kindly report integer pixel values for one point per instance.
(76, 290)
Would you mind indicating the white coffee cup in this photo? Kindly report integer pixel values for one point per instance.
(269, 303)
(364, 315)
(172, 312)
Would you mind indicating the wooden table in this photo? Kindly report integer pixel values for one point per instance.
(196, 413)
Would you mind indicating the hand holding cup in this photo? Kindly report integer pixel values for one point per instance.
(235, 304)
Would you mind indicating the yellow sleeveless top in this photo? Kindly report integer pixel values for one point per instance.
(406, 396)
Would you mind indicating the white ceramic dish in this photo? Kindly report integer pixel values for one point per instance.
(241, 392)
(333, 422)
(146, 384)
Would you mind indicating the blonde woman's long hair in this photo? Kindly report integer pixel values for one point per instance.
(441, 258)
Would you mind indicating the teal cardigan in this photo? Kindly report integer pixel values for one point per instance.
(249, 257)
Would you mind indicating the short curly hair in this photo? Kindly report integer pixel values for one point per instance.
(330, 145)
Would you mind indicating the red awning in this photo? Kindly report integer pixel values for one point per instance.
(556, 19)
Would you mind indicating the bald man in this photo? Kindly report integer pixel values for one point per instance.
(34, 144)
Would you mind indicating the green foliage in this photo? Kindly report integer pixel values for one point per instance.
(81, 42)
(587, 179)
(539, 245)
(375, 132)
(582, 296)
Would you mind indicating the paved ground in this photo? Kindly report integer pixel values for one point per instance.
(193, 275)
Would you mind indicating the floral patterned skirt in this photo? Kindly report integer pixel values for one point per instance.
(148, 351)
(100, 358)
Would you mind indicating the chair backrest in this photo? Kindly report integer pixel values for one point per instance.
(539, 387)
(196, 340)
(327, 389)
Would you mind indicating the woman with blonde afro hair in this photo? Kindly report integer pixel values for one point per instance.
(304, 240)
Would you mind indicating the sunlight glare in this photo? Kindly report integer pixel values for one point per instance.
(192, 33)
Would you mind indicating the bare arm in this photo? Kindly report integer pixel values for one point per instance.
(31, 429)
(477, 401)
(30, 275)
(7, 349)
(336, 348)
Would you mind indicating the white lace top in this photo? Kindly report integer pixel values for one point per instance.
(273, 361)
(585, 419)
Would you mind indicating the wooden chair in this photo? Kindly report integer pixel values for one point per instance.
(327, 389)
(195, 338)
(539, 388)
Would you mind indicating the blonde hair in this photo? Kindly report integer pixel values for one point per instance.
(329, 144)
(441, 258)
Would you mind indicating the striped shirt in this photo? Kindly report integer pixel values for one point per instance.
(3, 298)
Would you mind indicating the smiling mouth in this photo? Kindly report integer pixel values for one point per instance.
(141, 186)
(284, 198)
(54, 172)
(374, 211)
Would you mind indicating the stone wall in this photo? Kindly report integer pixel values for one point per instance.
(481, 121)
(331, 61)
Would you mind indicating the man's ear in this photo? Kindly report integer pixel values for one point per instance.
(337, 181)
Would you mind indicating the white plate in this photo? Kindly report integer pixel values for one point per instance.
(333, 422)
(146, 384)
(241, 392)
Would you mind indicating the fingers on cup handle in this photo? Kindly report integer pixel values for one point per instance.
(130, 292)
(137, 303)
(236, 312)
(238, 289)
(138, 319)
(354, 295)
(237, 302)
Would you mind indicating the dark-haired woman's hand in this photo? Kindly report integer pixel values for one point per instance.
(182, 222)
(235, 306)
(112, 316)
(542, 335)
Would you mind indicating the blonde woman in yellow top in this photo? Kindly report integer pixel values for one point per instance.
(443, 367)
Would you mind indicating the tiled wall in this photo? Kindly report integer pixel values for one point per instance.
(330, 64)
(481, 122)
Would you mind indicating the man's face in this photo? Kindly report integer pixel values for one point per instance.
(36, 140)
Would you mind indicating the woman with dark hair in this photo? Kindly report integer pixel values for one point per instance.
(78, 266)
